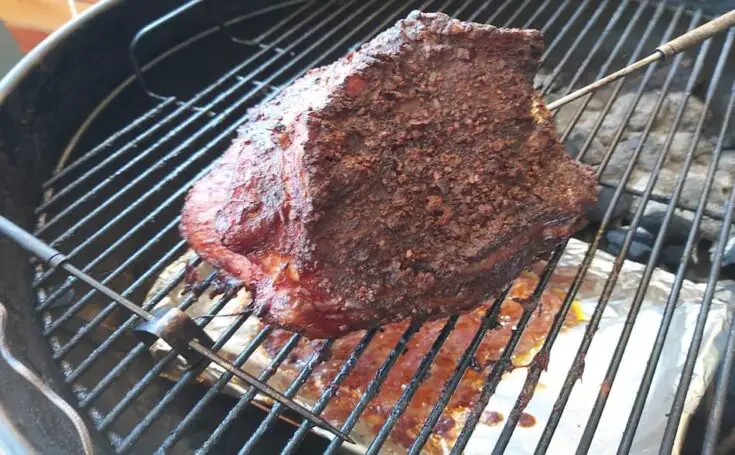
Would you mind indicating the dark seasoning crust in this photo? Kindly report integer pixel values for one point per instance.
(411, 179)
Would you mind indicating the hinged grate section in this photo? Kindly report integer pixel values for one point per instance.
(114, 211)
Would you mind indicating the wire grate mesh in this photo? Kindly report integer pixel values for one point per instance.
(114, 210)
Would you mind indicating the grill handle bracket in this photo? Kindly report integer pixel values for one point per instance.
(55, 258)
(216, 18)
(176, 328)
(145, 31)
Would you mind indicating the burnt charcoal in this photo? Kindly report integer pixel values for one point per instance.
(728, 142)
(640, 245)
(594, 152)
(605, 196)
(671, 256)
(698, 263)
(728, 256)
(677, 231)
(409, 180)
(680, 80)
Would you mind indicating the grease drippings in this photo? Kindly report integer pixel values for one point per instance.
(491, 418)
(526, 420)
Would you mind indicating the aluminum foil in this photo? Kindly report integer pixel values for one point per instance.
(576, 413)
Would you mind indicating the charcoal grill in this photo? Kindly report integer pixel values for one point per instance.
(96, 161)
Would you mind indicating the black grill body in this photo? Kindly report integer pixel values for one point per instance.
(74, 117)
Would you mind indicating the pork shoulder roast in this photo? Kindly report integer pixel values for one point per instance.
(413, 178)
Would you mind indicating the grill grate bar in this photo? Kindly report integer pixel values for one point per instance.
(721, 388)
(151, 26)
(608, 105)
(240, 83)
(599, 44)
(151, 303)
(148, 219)
(504, 362)
(151, 375)
(686, 375)
(130, 146)
(489, 321)
(266, 85)
(185, 378)
(291, 391)
(462, 7)
(541, 9)
(587, 27)
(568, 26)
(606, 66)
(215, 389)
(50, 328)
(498, 10)
(441, 8)
(64, 349)
(161, 186)
(221, 26)
(335, 45)
(139, 349)
(482, 8)
(538, 365)
(618, 85)
(331, 390)
(55, 257)
(248, 396)
(658, 245)
(191, 374)
(276, 29)
(709, 213)
(576, 370)
(374, 385)
(400, 406)
(518, 11)
(109, 142)
(227, 421)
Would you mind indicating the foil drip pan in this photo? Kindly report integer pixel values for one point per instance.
(575, 415)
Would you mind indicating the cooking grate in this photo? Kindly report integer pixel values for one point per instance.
(114, 209)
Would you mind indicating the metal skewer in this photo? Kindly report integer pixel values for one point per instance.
(661, 53)
(54, 258)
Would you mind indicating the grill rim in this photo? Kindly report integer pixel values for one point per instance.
(29, 62)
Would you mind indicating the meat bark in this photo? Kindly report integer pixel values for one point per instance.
(413, 178)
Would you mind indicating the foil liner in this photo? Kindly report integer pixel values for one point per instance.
(577, 411)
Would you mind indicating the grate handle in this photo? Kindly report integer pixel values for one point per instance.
(662, 52)
(25, 240)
